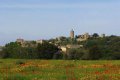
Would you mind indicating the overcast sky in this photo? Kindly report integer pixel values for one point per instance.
(44, 19)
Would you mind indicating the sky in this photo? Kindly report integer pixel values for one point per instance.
(45, 19)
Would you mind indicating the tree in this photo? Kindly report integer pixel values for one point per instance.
(95, 35)
(76, 54)
(3, 55)
(11, 50)
(71, 54)
(46, 50)
(58, 55)
(90, 43)
(116, 55)
(94, 53)
(14, 50)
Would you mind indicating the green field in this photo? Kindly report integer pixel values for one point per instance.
(14, 69)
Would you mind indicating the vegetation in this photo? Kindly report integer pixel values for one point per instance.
(46, 50)
(95, 48)
(103, 55)
(59, 70)
(42, 51)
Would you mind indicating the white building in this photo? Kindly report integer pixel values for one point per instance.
(39, 41)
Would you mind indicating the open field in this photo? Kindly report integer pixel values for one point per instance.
(14, 69)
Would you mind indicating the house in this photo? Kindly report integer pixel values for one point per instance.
(29, 43)
(65, 48)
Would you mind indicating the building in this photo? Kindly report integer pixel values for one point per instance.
(39, 41)
(61, 38)
(30, 43)
(69, 46)
(102, 35)
(72, 34)
(83, 37)
(63, 49)
(21, 41)
(73, 46)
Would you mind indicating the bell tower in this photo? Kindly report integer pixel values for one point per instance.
(72, 34)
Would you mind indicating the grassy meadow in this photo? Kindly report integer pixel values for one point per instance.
(20, 69)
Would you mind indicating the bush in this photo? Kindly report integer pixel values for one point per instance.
(94, 53)
(76, 53)
(116, 55)
(58, 55)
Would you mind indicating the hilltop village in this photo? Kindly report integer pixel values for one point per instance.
(64, 43)
(80, 47)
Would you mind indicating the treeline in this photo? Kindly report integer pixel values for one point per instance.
(41, 51)
(107, 48)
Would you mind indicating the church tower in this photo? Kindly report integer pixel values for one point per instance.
(72, 34)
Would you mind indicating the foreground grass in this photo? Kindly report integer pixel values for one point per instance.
(14, 69)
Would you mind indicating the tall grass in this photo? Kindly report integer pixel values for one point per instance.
(14, 69)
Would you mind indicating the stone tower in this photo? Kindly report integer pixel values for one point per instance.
(86, 36)
(72, 34)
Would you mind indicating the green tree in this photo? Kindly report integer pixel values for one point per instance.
(95, 35)
(46, 50)
(94, 53)
(76, 54)
(11, 50)
(14, 50)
